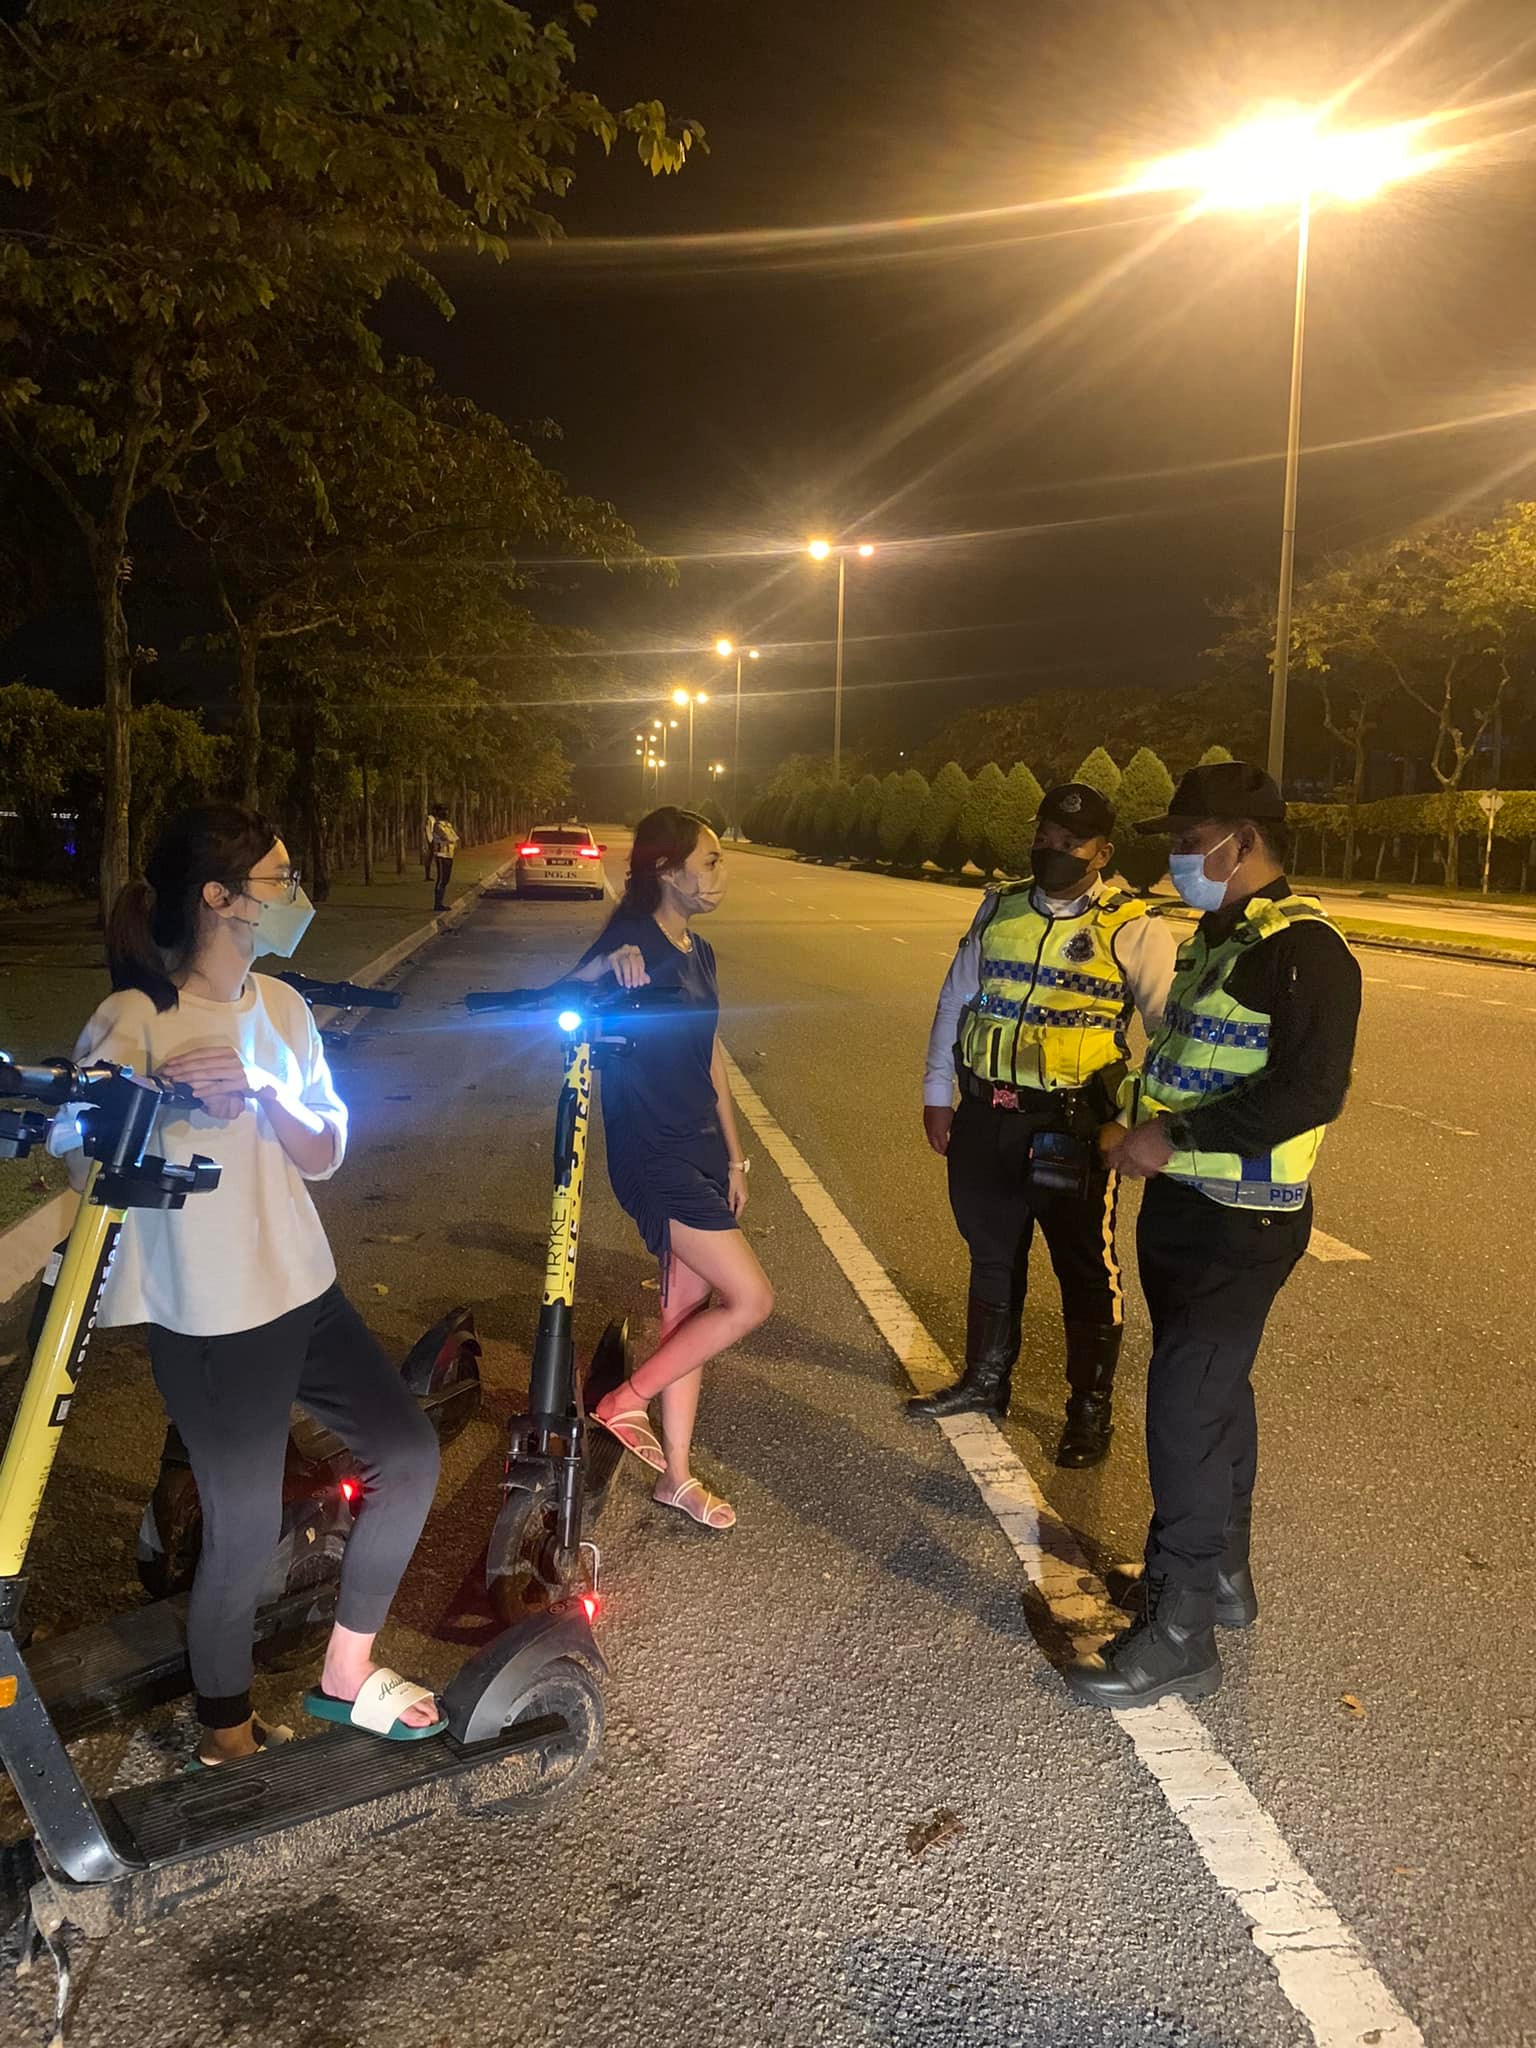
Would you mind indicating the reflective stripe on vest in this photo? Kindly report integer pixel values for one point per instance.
(1208, 1045)
(1053, 1005)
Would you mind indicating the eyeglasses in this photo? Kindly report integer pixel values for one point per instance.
(288, 882)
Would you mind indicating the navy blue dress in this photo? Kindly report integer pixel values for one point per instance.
(667, 1156)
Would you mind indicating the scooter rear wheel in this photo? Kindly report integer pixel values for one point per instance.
(565, 1687)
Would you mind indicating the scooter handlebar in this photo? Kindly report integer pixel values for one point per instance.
(341, 995)
(581, 996)
(52, 1083)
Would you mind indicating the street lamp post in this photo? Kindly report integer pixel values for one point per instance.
(1288, 159)
(725, 649)
(818, 550)
(690, 698)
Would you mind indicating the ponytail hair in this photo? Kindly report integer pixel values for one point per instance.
(152, 929)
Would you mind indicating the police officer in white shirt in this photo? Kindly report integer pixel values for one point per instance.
(1032, 1022)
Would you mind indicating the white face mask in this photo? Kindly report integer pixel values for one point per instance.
(281, 925)
(698, 894)
(1187, 873)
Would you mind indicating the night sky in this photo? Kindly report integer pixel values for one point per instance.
(983, 397)
(865, 313)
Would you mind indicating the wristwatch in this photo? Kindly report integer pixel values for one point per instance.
(1179, 1135)
(739, 1165)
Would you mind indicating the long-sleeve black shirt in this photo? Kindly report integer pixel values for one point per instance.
(1307, 982)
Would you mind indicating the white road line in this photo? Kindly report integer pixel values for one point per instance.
(897, 942)
(1332, 1250)
(1321, 1968)
(865, 927)
(1493, 1002)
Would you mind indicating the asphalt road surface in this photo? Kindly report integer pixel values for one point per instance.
(844, 1797)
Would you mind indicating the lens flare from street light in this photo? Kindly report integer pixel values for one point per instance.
(1284, 158)
(818, 550)
(865, 549)
(701, 697)
(724, 647)
(753, 655)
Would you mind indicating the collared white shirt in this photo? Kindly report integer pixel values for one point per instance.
(1144, 949)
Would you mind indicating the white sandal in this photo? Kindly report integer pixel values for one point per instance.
(709, 1511)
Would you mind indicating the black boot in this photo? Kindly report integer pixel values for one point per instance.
(986, 1385)
(1169, 1648)
(1093, 1350)
(1237, 1604)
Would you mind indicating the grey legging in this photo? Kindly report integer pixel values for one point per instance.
(230, 1397)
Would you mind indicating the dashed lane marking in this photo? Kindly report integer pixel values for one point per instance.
(1320, 1966)
(897, 942)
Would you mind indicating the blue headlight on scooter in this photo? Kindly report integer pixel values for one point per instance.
(569, 1020)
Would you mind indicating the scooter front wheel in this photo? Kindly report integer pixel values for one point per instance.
(526, 1569)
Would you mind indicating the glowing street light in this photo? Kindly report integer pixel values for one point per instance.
(727, 649)
(689, 699)
(1288, 158)
(818, 550)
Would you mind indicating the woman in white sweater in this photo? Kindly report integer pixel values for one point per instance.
(239, 1288)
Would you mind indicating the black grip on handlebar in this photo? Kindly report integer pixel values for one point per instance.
(342, 995)
(51, 1082)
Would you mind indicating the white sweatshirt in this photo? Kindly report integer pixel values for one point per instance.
(255, 1247)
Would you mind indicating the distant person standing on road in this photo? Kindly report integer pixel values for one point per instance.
(1226, 1119)
(445, 843)
(674, 1155)
(428, 825)
(1032, 1019)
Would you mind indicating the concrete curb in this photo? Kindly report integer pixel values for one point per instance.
(25, 1246)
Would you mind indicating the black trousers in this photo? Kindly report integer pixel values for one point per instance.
(997, 1214)
(1210, 1276)
(230, 1397)
(444, 875)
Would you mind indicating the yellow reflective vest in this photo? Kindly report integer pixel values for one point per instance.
(1209, 1045)
(1053, 1006)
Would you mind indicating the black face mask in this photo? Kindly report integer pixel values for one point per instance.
(1059, 873)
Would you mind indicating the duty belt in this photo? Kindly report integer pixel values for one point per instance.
(1053, 1102)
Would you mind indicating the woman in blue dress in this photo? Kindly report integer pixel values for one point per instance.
(674, 1156)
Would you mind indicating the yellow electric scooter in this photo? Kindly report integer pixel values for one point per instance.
(524, 1713)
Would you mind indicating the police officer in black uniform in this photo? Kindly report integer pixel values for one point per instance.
(1226, 1120)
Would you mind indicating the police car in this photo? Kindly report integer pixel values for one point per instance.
(560, 857)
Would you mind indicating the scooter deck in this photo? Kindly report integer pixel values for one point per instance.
(107, 1673)
(177, 1818)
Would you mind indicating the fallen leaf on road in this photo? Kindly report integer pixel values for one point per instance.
(1407, 1870)
(379, 1287)
(1347, 1699)
(653, 1285)
(1478, 1564)
(392, 1237)
(926, 1834)
(38, 1186)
